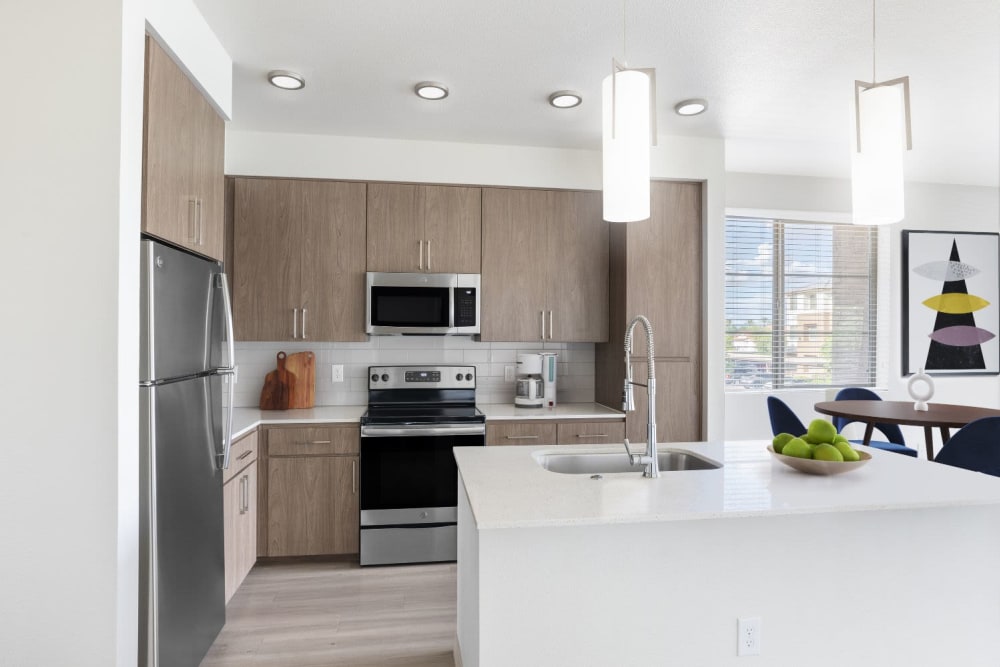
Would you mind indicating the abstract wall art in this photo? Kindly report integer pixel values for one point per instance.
(951, 302)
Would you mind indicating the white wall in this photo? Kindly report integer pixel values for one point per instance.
(69, 180)
(360, 158)
(928, 206)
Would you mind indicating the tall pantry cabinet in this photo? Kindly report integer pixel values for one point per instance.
(183, 156)
(655, 270)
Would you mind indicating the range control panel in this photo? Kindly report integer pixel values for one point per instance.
(421, 377)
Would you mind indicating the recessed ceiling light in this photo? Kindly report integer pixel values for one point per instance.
(285, 79)
(690, 107)
(431, 90)
(565, 99)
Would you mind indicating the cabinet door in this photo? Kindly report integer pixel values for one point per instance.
(514, 263)
(395, 228)
(346, 509)
(678, 400)
(311, 505)
(209, 131)
(452, 228)
(577, 264)
(267, 258)
(169, 205)
(331, 251)
(248, 532)
(664, 270)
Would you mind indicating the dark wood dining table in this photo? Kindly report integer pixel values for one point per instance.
(938, 415)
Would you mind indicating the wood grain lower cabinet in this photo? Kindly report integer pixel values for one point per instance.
(538, 432)
(545, 266)
(240, 512)
(183, 154)
(311, 492)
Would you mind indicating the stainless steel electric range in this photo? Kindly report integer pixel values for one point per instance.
(408, 476)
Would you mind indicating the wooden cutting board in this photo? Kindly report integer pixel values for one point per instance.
(277, 387)
(303, 391)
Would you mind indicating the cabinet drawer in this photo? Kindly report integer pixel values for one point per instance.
(521, 433)
(242, 454)
(586, 433)
(302, 440)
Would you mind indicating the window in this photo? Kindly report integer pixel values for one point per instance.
(800, 304)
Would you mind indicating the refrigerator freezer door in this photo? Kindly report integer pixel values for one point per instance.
(182, 314)
(183, 570)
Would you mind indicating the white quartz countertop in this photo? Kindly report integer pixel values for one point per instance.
(507, 411)
(247, 419)
(507, 488)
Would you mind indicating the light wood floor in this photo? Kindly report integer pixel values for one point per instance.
(336, 614)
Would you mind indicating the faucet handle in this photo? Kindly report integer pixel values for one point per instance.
(631, 456)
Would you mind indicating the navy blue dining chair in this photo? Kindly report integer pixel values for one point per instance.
(975, 446)
(895, 443)
(783, 420)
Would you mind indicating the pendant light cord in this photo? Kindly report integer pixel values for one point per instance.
(873, 42)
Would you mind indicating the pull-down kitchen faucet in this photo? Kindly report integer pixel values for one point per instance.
(649, 459)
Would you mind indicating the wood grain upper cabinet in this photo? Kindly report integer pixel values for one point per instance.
(423, 228)
(183, 152)
(298, 260)
(545, 266)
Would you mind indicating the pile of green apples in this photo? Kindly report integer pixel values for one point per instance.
(820, 442)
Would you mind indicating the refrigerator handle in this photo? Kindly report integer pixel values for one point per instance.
(227, 433)
(230, 331)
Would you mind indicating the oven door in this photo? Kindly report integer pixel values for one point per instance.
(408, 474)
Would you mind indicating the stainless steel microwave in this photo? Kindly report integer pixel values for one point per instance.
(422, 303)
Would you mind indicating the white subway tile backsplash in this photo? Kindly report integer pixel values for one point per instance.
(256, 359)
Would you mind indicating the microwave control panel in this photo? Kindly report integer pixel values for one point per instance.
(465, 306)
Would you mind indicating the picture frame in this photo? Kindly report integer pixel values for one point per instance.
(950, 303)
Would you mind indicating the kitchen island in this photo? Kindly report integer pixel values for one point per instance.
(891, 564)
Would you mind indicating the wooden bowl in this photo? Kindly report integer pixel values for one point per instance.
(814, 467)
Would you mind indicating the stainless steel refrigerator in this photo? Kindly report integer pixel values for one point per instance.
(185, 435)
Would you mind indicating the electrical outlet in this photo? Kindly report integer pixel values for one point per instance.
(748, 633)
(337, 372)
(508, 373)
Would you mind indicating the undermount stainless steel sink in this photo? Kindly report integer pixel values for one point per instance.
(670, 460)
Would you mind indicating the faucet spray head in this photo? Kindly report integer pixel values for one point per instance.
(628, 397)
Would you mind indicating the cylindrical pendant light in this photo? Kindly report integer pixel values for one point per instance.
(626, 146)
(877, 164)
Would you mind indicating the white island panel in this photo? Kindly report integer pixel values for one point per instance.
(901, 577)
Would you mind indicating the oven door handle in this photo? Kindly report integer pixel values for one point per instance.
(416, 432)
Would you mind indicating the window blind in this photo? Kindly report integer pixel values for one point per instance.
(801, 305)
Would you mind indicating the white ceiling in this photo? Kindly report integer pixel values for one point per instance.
(778, 74)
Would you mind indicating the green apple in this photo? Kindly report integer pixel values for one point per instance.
(847, 451)
(839, 438)
(827, 452)
(779, 441)
(821, 431)
(798, 448)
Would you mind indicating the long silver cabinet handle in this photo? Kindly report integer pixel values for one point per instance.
(192, 213)
(249, 452)
(354, 476)
(522, 437)
(550, 325)
(243, 494)
(295, 322)
(591, 435)
(201, 238)
(304, 311)
(428, 255)
(542, 313)
(313, 442)
(420, 258)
